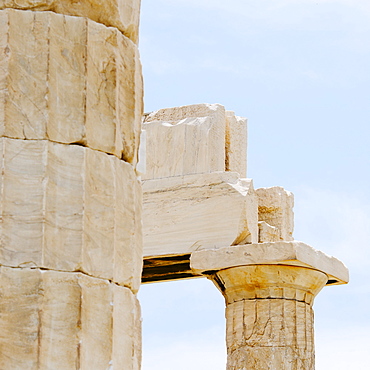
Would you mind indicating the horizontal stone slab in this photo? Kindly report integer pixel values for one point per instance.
(292, 253)
(70, 208)
(122, 14)
(61, 320)
(69, 80)
(187, 213)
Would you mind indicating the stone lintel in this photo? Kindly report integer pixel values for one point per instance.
(182, 214)
(292, 253)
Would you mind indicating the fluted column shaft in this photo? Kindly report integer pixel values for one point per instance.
(70, 200)
(269, 316)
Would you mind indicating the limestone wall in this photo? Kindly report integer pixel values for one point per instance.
(70, 201)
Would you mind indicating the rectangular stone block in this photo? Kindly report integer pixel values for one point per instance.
(96, 323)
(127, 320)
(275, 207)
(192, 140)
(128, 254)
(112, 225)
(66, 78)
(64, 212)
(129, 99)
(122, 14)
(193, 212)
(70, 208)
(70, 80)
(166, 159)
(20, 304)
(101, 102)
(60, 320)
(4, 63)
(27, 54)
(99, 214)
(236, 144)
(23, 194)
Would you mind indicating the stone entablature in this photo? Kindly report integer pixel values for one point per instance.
(195, 191)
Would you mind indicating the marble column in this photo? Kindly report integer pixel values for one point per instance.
(70, 200)
(269, 290)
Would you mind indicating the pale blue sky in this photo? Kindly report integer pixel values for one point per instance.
(300, 72)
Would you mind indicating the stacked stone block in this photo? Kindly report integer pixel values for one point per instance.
(195, 180)
(70, 207)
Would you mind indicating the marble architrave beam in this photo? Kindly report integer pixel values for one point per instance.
(183, 214)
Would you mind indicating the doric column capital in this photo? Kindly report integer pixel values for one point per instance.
(292, 253)
(297, 283)
(269, 290)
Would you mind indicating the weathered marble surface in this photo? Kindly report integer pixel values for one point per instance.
(269, 316)
(191, 141)
(267, 233)
(236, 144)
(292, 253)
(200, 138)
(70, 208)
(275, 207)
(271, 334)
(122, 14)
(70, 80)
(70, 213)
(187, 213)
(269, 290)
(60, 320)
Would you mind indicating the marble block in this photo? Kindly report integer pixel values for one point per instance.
(60, 320)
(275, 207)
(200, 138)
(191, 141)
(70, 208)
(122, 14)
(69, 80)
(188, 213)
